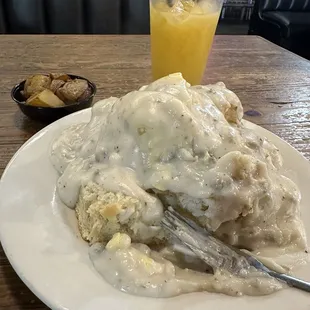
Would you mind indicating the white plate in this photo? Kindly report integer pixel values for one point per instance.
(39, 236)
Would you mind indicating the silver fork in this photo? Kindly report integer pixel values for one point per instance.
(217, 254)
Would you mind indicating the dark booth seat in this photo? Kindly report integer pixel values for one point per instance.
(74, 16)
(284, 22)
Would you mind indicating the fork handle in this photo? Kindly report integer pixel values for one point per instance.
(291, 281)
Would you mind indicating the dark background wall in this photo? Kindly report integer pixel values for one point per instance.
(98, 16)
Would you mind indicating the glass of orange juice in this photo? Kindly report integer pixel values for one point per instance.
(182, 32)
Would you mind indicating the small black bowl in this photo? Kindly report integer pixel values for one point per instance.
(47, 114)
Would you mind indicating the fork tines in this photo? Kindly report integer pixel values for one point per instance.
(209, 249)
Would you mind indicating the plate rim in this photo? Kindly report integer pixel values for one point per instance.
(5, 171)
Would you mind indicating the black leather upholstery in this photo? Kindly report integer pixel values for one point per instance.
(136, 16)
(286, 5)
(2, 21)
(284, 22)
(74, 16)
(24, 17)
(290, 22)
(289, 18)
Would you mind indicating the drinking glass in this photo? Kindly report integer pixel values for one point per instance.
(182, 32)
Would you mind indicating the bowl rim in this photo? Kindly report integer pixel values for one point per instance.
(90, 83)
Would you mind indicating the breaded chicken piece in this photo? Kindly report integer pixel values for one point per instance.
(101, 214)
(246, 207)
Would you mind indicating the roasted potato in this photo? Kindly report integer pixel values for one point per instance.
(60, 95)
(54, 90)
(56, 84)
(86, 94)
(60, 76)
(73, 90)
(46, 98)
(36, 84)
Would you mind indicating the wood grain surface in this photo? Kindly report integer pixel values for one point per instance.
(272, 83)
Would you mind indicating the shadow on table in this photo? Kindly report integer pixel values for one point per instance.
(16, 293)
(27, 125)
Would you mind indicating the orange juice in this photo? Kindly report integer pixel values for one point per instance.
(181, 37)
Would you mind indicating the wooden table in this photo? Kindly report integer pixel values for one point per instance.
(272, 83)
